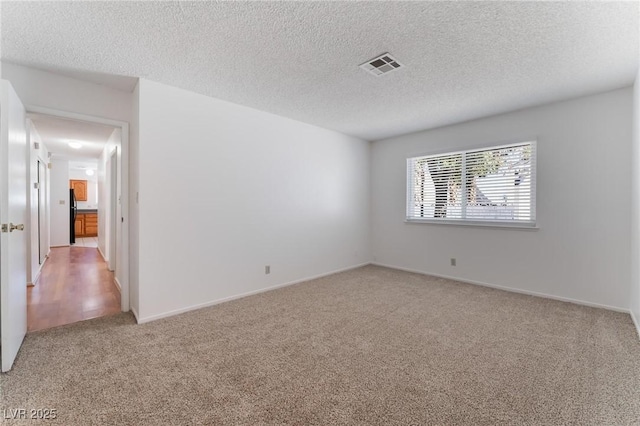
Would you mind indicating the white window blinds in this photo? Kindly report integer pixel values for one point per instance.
(488, 185)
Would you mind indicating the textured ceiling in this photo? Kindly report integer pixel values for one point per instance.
(56, 133)
(463, 60)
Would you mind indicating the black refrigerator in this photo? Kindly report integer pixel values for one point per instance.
(73, 211)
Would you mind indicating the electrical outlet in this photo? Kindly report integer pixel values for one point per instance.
(62, 202)
(453, 261)
(267, 269)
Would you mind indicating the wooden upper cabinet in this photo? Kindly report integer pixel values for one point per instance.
(79, 188)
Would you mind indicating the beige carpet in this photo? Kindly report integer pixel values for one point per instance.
(368, 346)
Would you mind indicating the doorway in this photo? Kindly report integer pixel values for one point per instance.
(80, 280)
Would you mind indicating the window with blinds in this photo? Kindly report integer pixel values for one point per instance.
(493, 185)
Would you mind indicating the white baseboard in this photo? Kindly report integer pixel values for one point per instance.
(105, 259)
(240, 296)
(34, 280)
(135, 314)
(115, 280)
(61, 245)
(38, 272)
(103, 256)
(635, 322)
(510, 289)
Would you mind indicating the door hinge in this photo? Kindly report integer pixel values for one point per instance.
(5, 227)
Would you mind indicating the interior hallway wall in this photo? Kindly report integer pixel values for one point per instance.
(33, 241)
(60, 203)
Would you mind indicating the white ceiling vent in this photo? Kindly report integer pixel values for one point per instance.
(382, 64)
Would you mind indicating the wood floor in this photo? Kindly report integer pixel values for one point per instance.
(75, 285)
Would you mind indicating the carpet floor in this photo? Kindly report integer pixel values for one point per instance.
(366, 346)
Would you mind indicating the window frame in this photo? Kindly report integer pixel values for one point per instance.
(531, 225)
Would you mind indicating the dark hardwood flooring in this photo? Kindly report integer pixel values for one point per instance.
(75, 285)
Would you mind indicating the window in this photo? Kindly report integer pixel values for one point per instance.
(493, 185)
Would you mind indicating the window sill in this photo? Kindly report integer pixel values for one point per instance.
(503, 225)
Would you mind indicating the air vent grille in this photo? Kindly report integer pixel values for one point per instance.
(382, 64)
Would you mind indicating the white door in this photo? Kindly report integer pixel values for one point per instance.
(13, 215)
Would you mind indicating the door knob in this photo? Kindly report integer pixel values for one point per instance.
(12, 227)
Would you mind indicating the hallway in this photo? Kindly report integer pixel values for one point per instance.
(74, 285)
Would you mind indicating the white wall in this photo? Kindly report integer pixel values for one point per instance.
(635, 207)
(581, 250)
(134, 207)
(45, 89)
(92, 188)
(59, 188)
(226, 190)
(33, 261)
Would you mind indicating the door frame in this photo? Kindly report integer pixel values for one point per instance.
(111, 165)
(124, 178)
(43, 193)
(32, 276)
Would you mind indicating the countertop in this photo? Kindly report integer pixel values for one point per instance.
(87, 210)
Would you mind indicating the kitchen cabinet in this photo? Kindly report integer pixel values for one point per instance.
(79, 188)
(79, 225)
(86, 224)
(91, 224)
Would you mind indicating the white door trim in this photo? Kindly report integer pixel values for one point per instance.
(112, 164)
(124, 176)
